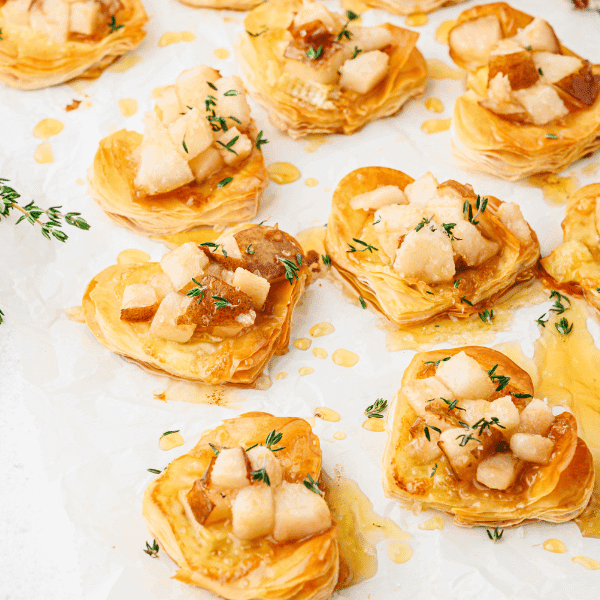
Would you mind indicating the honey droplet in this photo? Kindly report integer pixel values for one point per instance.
(128, 107)
(313, 239)
(443, 31)
(436, 125)
(311, 182)
(174, 37)
(588, 563)
(320, 353)
(416, 19)
(282, 173)
(73, 106)
(43, 153)
(374, 425)
(555, 546)
(132, 257)
(281, 375)
(302, 343)
(314, 142)
(75, 313)
(125, 63)
(305, 371)
(399, 552)
(194, 393)
(434, 523)
(321, 329)
(170, 441)
(556, 190)
(327, 414)
(264, 382)
(45, 129)
(438, 69)
(339, 435)
(222, 53)
(434, 105)
(344, 358)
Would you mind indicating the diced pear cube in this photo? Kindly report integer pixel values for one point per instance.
(255, 286)
(460, 457)
(229, 246)
(506, 412)
(542, 102)
(184, 263)
(167, 106)
(465, 377)
(231, 102)
(498, 471)
(424, 450)
(161, 167)
(517, 64)
(260, 457)
(417, 392)
(422, 190)
(192, 86)
(206, 163)
(200, 503)
(425, 255)
(445, 209)
(382, 196)
(162, 286)
(536, 417)
(314, 11)
(233, 152)
(555, 67)
(51, 18)
(84, 17)
(299, 513)
(512, 218)
(193, 130)
(398, 218)
(538, 35)
(471, 245)
(139, 302)
(531, 447)
(364, 72)
(231, 469)
(473, 40)
(370, 38)
(475, 410)
(164, 324)
(253, 512)
(16, 12)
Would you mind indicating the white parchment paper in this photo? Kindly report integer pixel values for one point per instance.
(79, 427)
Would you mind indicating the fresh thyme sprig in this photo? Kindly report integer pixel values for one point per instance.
(466, 439)
(169, 432)
(433, 470)
(313, 54)
(113, 25)
(448, 227)
(326, 259)
(151, 550)
(502, 380)
(215, 449)
(558, 307)
(221, 302)
(520, 395)
(487, 316)
(362, 301)
(312, 485)
(1, 313)
(464, 299)
(229, 144)
(374, 410)
(255, 34)
(155, 471)
(457, 283)
(196, 292)
(496, 534)
(481, 205)
(426, 431)
(224, 182)
(452, 404)
(484, 424)
(541, 321)
(32, 213)
(563, 326)
(273, 438)
(291, 270)
(344, 32)
(366, 247)
(260, 140)
(424, 222)
(249, 249)
(436, 363)
(261, 475)
(356, 52)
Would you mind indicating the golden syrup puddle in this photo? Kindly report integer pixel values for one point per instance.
(128, 107)
(43, 154)
(320, 353)
(195, 393)
(555, 546)
(321, 329)
(132, 257)
(463, 332)
(399, 552)
(282, 172)
(304, 371)
(556, 190)
(588, 563)
(373, 425)
(170, 441)
(442, 33)
(432, 524)
(339, 435)
(174, 37)
(198, 236)
(360, 529)
(75, 313)
(313, 239)
(222, 53)
(125, 63)
(434, 105)
(315, 141)
(302, 343)
(435, 125)
(263, 382)
(281, 375)
(416, 19)
(344, 358)
(591, 169)
(46, 128)
(327, 414)
(311, 182)
(79, 85)
(438, 69)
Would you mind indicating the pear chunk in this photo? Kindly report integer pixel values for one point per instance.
(206, 163)
(164, 324)
(532, 447)
(260, 457)
(542, 103)
(84, 17)
(234, 146)
(231, 469)
(139, 302)
(379, 197)
(255, 286)
(183, 263)
(465, 377)
(538, 35)
(193, 88)
(16, 12)
(253, 512)
(498, 471)
(473, 40)
(167, 106)
(231, 102)
(422, 190)
(364, 72)
(418, 392)
(191, 134)
(512, 218)
(536, 418)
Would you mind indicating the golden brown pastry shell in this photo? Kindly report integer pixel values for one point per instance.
(409, 7)
(556, 492)
(406, 301)
(31, 61)
(261, 62)
(112, 176)
(261, 569)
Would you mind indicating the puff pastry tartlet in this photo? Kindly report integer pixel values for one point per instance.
(533, 105)
(415, 250)
(198, 162)
(467, 437)
(48, 42)
(214, 313)
(250, 522)
(575, 264)
(409, 7)
(317, 72)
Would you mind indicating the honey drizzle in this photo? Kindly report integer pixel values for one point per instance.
(416, 19)
(327, 414)
(174, 37)
(373, 425)
(436, 125)
(344, 358)
(302, 343)
(43, 154)
(321, 329)
(222, 53)
(128, 107)
(282, 172)
(125, 63)
(46, 128)
(442, 33)
(556, 190)
(438, 69)
(303, 371)
(434, 105)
